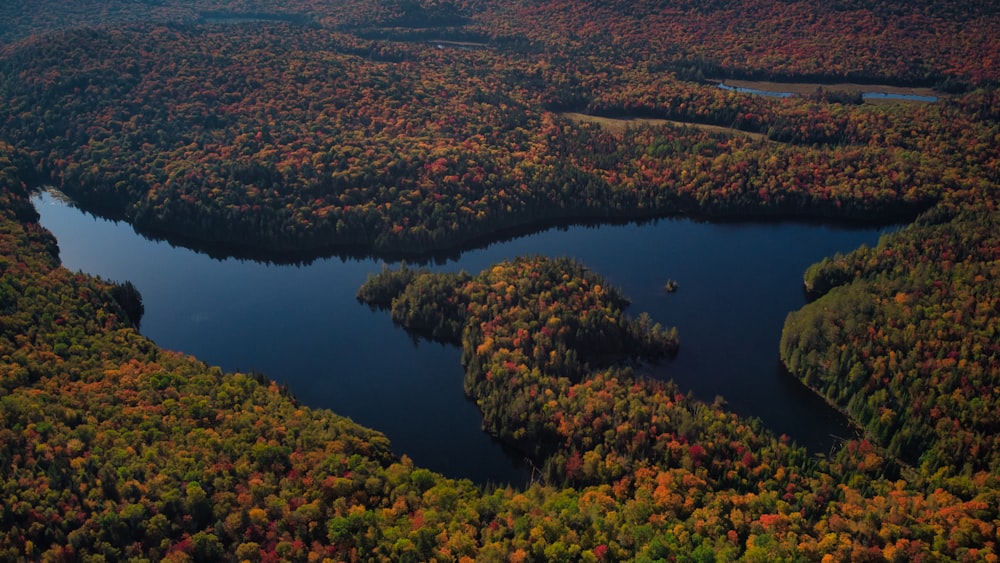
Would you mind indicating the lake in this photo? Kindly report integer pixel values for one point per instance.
(302, 326)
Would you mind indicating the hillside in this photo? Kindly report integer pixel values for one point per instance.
(399, 128)
(280, 137)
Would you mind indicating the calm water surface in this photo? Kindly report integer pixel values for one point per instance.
(302, 326)
(864, 95)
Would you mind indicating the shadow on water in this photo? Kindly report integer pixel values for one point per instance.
(819, 425)
(303, 256)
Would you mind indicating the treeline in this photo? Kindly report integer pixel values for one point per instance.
(905, 339)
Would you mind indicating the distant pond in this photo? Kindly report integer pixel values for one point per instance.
(301, 325)
(233, 18)
(875, 95)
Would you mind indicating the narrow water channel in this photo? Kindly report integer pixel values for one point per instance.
(874, 95)
(302, 326)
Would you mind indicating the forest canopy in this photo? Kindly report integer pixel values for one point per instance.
(287, 138)
(401, 127)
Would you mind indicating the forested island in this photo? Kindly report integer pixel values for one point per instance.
(296, 129)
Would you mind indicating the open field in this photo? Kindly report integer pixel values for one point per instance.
(619, 125)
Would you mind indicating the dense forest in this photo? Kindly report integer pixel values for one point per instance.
(399, 127)
(281, 137)
(907, 340)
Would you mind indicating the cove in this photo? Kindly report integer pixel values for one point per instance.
(302, 326)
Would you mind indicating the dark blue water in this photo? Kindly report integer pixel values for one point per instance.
(864, 95)
(302, 326)
(890, 96)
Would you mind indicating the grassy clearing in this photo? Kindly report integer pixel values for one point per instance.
(619, 125)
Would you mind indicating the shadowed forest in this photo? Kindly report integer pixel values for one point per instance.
(400, 128)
